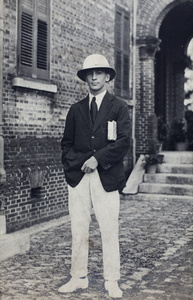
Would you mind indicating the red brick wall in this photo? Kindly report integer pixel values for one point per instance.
(33, 121)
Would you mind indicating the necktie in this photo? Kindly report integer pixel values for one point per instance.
(93, 109)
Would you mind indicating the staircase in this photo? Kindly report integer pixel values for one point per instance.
(173, 178)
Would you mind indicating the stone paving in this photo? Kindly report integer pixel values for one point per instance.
(156, 244)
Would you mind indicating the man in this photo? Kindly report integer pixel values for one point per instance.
(95, 140)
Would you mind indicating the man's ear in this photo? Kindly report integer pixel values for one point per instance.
(107, 77)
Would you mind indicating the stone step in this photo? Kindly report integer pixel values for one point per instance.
(156, 197)
(178, 157)
(168, 189)
(174, 168)
(169, 178)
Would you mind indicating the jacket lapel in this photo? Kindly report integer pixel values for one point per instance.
(105, 107)
(84, 108)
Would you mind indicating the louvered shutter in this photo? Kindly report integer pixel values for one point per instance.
(118, 58)
(26, 39)
(126, 38)
(33, 46)
(118, 77)
(125, 75)
(42, 38)
(25, 45)
(118, 63)
(122, 44)
(42, 45)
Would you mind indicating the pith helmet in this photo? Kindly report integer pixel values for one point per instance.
(96, 61)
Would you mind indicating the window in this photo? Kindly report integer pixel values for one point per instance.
(33, 38)
(122, 44)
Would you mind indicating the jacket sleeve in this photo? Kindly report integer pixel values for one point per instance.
(71, 159)
(114, 152)
(68, 136)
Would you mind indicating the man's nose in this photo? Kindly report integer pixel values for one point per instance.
(94, 75)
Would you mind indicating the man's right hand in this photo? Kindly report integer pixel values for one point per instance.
(90, 165)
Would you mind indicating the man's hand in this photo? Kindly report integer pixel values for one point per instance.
(90, 165)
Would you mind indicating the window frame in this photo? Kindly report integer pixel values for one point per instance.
(24, 10)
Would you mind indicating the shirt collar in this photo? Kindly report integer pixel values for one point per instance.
(99, 98)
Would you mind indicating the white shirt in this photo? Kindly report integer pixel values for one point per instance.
(99, 99)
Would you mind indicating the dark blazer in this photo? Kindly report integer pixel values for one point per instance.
(81, 140)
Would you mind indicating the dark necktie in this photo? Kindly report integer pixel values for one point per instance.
(93, 109)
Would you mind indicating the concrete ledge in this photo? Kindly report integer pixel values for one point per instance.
(34, 84)
(2, 224)
(19, 242)
(12, 244)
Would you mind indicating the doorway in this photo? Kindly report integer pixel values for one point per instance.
(171, 61)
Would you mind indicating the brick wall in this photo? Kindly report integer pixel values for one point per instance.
(33, 121)
(151, 14)
(149, 17)
(145, 107)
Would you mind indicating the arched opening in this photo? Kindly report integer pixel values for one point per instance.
(188, 86)
(171, 62)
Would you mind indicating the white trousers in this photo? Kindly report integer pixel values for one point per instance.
(90, 192)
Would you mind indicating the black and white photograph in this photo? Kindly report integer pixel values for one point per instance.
(96, 149)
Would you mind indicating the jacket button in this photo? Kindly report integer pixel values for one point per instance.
(94, 150)
(92, 137)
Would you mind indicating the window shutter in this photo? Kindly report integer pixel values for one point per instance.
(42, 7)
(33, 38)
(42, 38)
(25, 45)
(26, 39)
(126, 38)
(125, 73)
(42, 45)
(118, 72)
(126, 33)
(118, 29)
(122, 44)
(27, 3)
(118, 55)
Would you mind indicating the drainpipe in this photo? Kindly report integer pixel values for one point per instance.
(2, 171)
(135, 3)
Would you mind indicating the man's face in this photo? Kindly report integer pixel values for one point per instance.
(96, 79)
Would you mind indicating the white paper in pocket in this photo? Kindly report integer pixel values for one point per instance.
(112, 131)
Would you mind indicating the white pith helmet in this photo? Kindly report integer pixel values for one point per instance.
(95, 61)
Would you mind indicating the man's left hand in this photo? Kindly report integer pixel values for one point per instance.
(90, 165)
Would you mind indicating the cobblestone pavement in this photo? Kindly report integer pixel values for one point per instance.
(156, 244)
